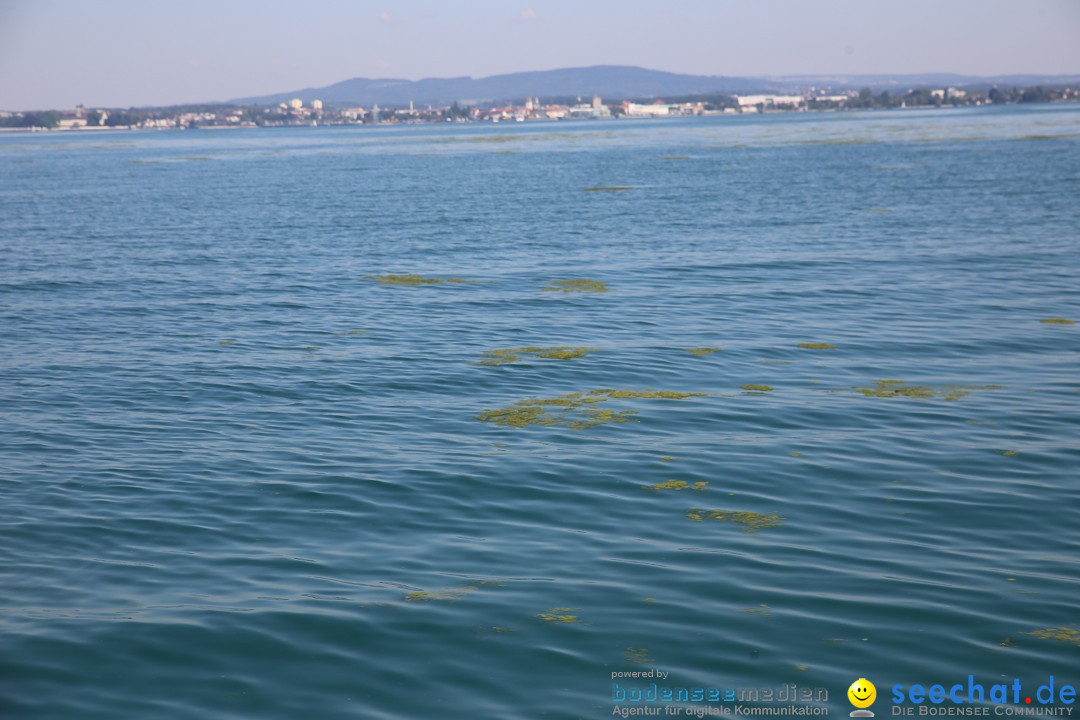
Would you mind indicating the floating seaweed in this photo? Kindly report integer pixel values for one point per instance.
(761, 610)
(347, 333)
(609, 188)
(897, 388)
(447, 595)
(954, 395)
(577, 285)
(677, 485)
(750, 521)
(573, 409)
(452, 594)
(504, 356)
(802, 668)
(499, 357)
(666, 458)
(757, 388)
(702, 351)
(647, 394)
(1064, 634)
(816, 346)
(225, 342)
(602, 416)
(518, 416)
(563, 353)
(1057, 321)
(637, 655)
(559, 615)
(901, 388)
(413, 280)
(1009, 453)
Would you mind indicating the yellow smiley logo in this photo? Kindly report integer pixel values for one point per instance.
(862, 693)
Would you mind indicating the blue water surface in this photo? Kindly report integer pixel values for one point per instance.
(243, 479)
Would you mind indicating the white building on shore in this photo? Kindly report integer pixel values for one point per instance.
(656, 110)
(751, 103)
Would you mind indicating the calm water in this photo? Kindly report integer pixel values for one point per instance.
(218, 493)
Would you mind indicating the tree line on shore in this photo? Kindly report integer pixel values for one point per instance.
(864, 100)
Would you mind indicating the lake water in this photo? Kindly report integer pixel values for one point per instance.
(242, 478)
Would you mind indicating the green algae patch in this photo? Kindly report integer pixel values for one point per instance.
(647, 394)
(666, 458)
(677, 485)
(576, 410)
(896, 388)
(609, 188)
(601, 416)
(757, 388)
(702, 351)
(518, 416)
(410, 280)
(1009, 453)
(1064, 634)
(761, 610)
(816, 346)
(558, 615)
(447, 595)
(902, 388)
(505, 356)
(563, 353)
(500, 357)
(451, 594)
(750, 521)
(954, 395)
(577, 285)
(637, 655)
(1057, 321)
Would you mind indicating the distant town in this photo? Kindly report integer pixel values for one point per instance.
(315, 113)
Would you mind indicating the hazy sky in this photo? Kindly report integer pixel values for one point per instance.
(56, 53)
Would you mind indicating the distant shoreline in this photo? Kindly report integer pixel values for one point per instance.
(395, 123)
